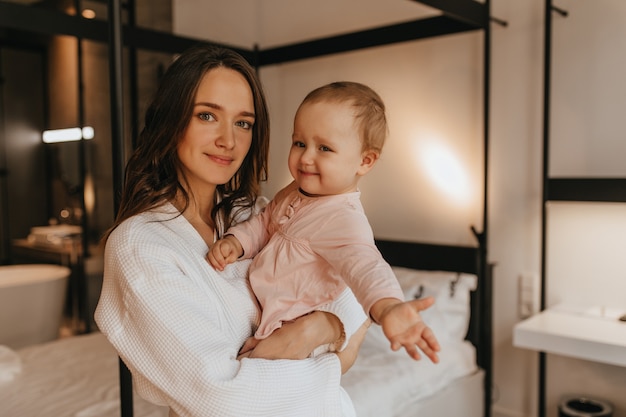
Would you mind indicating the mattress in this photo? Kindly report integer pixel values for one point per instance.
(78, 377)
(391, 384)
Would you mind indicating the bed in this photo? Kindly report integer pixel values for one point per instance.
(79, 376)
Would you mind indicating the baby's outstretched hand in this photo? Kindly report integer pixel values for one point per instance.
(223, 252)
(403, 326)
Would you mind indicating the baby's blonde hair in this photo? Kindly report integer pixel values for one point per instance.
(369, 108)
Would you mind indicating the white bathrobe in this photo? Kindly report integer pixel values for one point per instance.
(178, 325)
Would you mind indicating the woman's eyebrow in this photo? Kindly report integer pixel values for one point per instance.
(208, 104)
(218, 107)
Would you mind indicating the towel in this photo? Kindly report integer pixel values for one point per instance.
(10, 364)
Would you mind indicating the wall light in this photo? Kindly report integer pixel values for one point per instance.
(68, 135)
(89, 14)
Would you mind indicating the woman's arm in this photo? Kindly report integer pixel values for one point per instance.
(297, 339)
(335, 323)
(351, 351)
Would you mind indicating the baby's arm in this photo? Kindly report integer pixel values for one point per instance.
(403, 326)
(225, 251)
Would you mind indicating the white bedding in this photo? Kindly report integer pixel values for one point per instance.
(383, 383)
(70, 377)
(78, 376)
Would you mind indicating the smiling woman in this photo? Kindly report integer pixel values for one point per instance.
(177, 323)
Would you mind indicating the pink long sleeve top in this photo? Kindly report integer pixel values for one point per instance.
(306, 251)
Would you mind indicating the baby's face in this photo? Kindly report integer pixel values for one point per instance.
(326, 156)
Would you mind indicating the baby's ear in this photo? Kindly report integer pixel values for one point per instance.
(368, 160)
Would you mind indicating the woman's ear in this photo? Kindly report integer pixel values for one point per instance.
(368, 160)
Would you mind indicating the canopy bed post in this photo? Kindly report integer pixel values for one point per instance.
(485, 269)
(118, 146)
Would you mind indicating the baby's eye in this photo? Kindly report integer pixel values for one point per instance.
(245, 124)
(298, 144)
(325, 148)
(207, 117)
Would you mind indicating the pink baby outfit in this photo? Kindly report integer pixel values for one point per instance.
(306, 250)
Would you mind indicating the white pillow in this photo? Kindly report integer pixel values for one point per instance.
(449, 316)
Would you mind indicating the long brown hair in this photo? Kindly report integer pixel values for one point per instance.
(151, 177)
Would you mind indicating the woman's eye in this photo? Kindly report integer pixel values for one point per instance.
(207, 117)
(245, 124)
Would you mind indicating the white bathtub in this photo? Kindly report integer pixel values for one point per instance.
(32, 298)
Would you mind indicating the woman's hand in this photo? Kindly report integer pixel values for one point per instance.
(349, 354)
(298, 338)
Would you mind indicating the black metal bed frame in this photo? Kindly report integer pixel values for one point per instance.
(464, 259)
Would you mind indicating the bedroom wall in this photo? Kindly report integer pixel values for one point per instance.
(433, 90)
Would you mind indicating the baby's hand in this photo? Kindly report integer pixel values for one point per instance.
(403, 326)
(223, 252)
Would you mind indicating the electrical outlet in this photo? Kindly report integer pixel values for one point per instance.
(528, 294)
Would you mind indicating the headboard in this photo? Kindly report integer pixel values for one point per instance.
(430, 257)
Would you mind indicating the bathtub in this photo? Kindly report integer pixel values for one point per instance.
(32, 298)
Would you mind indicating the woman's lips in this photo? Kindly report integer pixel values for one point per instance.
(221, 160)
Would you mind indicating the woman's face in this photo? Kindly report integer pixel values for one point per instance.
(219, 133)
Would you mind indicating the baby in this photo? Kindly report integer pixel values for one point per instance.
(313, 239)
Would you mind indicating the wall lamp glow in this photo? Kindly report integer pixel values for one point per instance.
(68, 135)
(89, 14)
(446, 171)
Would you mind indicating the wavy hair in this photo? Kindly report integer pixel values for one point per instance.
(151, 177)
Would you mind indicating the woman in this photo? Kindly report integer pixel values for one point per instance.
(176, 322)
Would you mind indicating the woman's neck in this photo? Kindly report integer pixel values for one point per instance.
(198, 214)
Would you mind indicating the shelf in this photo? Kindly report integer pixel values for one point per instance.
(575, 334)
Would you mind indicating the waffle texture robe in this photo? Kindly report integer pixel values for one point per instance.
(178, 325)
(306, 249)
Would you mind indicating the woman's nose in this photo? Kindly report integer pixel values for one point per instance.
(226, 138)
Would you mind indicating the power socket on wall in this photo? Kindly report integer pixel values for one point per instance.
(527, 294)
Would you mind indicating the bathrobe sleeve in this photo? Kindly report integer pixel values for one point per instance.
(178, 326)
(345, 240)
